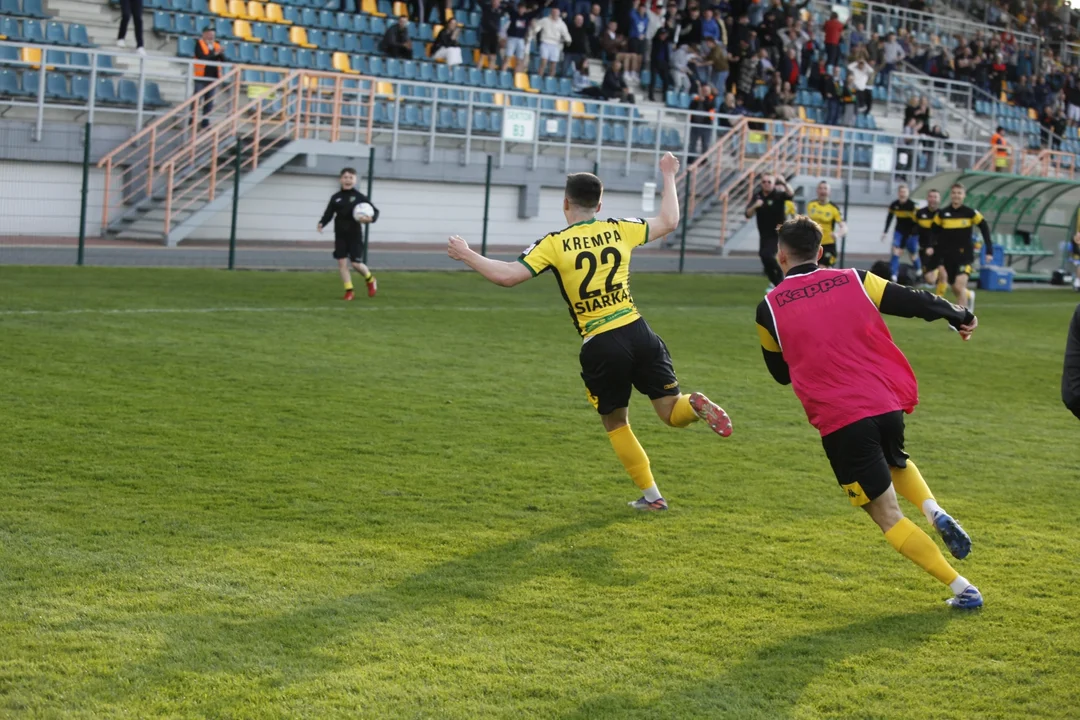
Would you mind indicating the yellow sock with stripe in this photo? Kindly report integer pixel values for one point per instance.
(368, 277)
(682, 414)
(909, 482)
(348, 285)
(940, 289)
(916, 546)
(634, 459)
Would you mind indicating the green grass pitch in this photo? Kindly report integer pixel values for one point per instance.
(239, 497)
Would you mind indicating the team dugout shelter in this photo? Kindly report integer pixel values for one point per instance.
(1031, 218)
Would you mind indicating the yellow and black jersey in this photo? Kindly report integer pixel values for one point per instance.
(591, 261)
(954, 226)
(904, 212)
(790, 210)
(924, 219)
(826, 215)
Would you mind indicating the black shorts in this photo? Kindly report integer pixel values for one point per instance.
(489, 43)
(929, 262)
(350, 246)
(632, 356)
(956, 264)
(636, 45)
(828, 255)
(862, 453)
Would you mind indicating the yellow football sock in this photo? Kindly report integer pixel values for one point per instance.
(348, 285)
(367, 278)
(940, 289)
(632, 456)
(916, 546)
(682, 414)
(909, 483)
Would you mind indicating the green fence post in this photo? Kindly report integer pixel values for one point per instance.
(370, 183)
(843, 241)
(487, 205)
(685, 223)
(85, 195)
(237, 161)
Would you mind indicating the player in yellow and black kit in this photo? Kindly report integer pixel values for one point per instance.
(590, 260)
(955, 224)
(906, 237)
(933, 273)
(828, 217)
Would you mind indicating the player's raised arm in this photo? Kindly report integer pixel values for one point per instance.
(505, 274)
(668, 219)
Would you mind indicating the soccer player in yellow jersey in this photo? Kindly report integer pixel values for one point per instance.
(590, 260)
(827, 215)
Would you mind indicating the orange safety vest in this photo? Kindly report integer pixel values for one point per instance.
(200, 70)
(1000, 147)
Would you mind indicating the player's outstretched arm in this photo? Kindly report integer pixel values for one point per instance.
(506, 274)
(895, 299)
(668, 219)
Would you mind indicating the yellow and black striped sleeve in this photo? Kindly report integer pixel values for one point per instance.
(984, 229)
(895, 299)
(770, 347)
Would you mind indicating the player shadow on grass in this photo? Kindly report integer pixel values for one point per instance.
(769, 683)
(296, 645)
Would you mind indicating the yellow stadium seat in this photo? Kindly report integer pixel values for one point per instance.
(371, 8)
(449, 15)
(298, 36)
(220, 7)
(400, 9)
(521, 82)
(341, 63)
(274, 14)
(1032, 114)
(562, 106)
(384, 88)
(256, 11)
(500, 99)
(242, 29)
(31, 56)
(238, 9)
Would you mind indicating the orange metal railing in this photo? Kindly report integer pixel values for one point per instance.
(1053, 164)
(709, 171)
(783, 158)
(185, 164)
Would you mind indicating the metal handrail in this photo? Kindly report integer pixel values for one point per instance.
(710, 165)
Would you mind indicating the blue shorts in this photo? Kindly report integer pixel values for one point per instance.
(910, 243)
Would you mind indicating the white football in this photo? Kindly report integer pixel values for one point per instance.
(363, 210)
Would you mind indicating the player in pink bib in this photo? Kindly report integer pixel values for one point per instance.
(822, 332)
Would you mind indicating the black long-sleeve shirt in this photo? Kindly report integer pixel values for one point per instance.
(772, 213)
(953, 231)
(1070, 379)
(924, 218)
(895, 300)
(340, 208)
(904, 212)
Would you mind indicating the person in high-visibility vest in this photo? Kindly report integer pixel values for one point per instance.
(1001, 150)
(207, 48)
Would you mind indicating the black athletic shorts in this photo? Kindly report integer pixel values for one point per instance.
(489, 43)
(632, 356)
(350, 246)
(929, 262)
(862, 453)
(828, 255)
(957, 264)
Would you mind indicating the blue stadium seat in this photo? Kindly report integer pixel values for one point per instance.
(427, 72)
(445, 119)
(457, 75)
(33, 32)
(10, 28)
(56, 87)
(475, 77)
(128, 91)
(200, 7)
(469, 38)
(359, 23)
(506, 80)
(375, 66)
(392, 68)
(350, 43)
(551, 85)
(566, 87)
(481, 121)
(304, 59)
(78, 36)
(34, 9)
(9, 84)
(384, 7)
(496, 122)
(163, 23)
(442, 74)
(367, 44)
(231, 51)
(279, 35)
(377, 26)
(332, 41)
(409, 70)
(9, 54)
(292, 15)
(285, 57)
(54, 58)
(105, 64)
(80, 87)
(424, 32)
(410, 116)
(223, 28)
(323, 61)
(105, 91)
(152, 96)
(309, 18)
(672, 98)
(343, 22)
(316, 38)
(260, 32)
(31, 81)
(185, 25)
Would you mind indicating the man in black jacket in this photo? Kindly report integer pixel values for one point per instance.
(1070, 379)
(614, 87)
(579, 43)
(348, 231)
(395, 42)
(660, 62)
(767, 205)
(491, 13)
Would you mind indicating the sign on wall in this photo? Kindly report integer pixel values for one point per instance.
(519, 124)
(882, 160)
